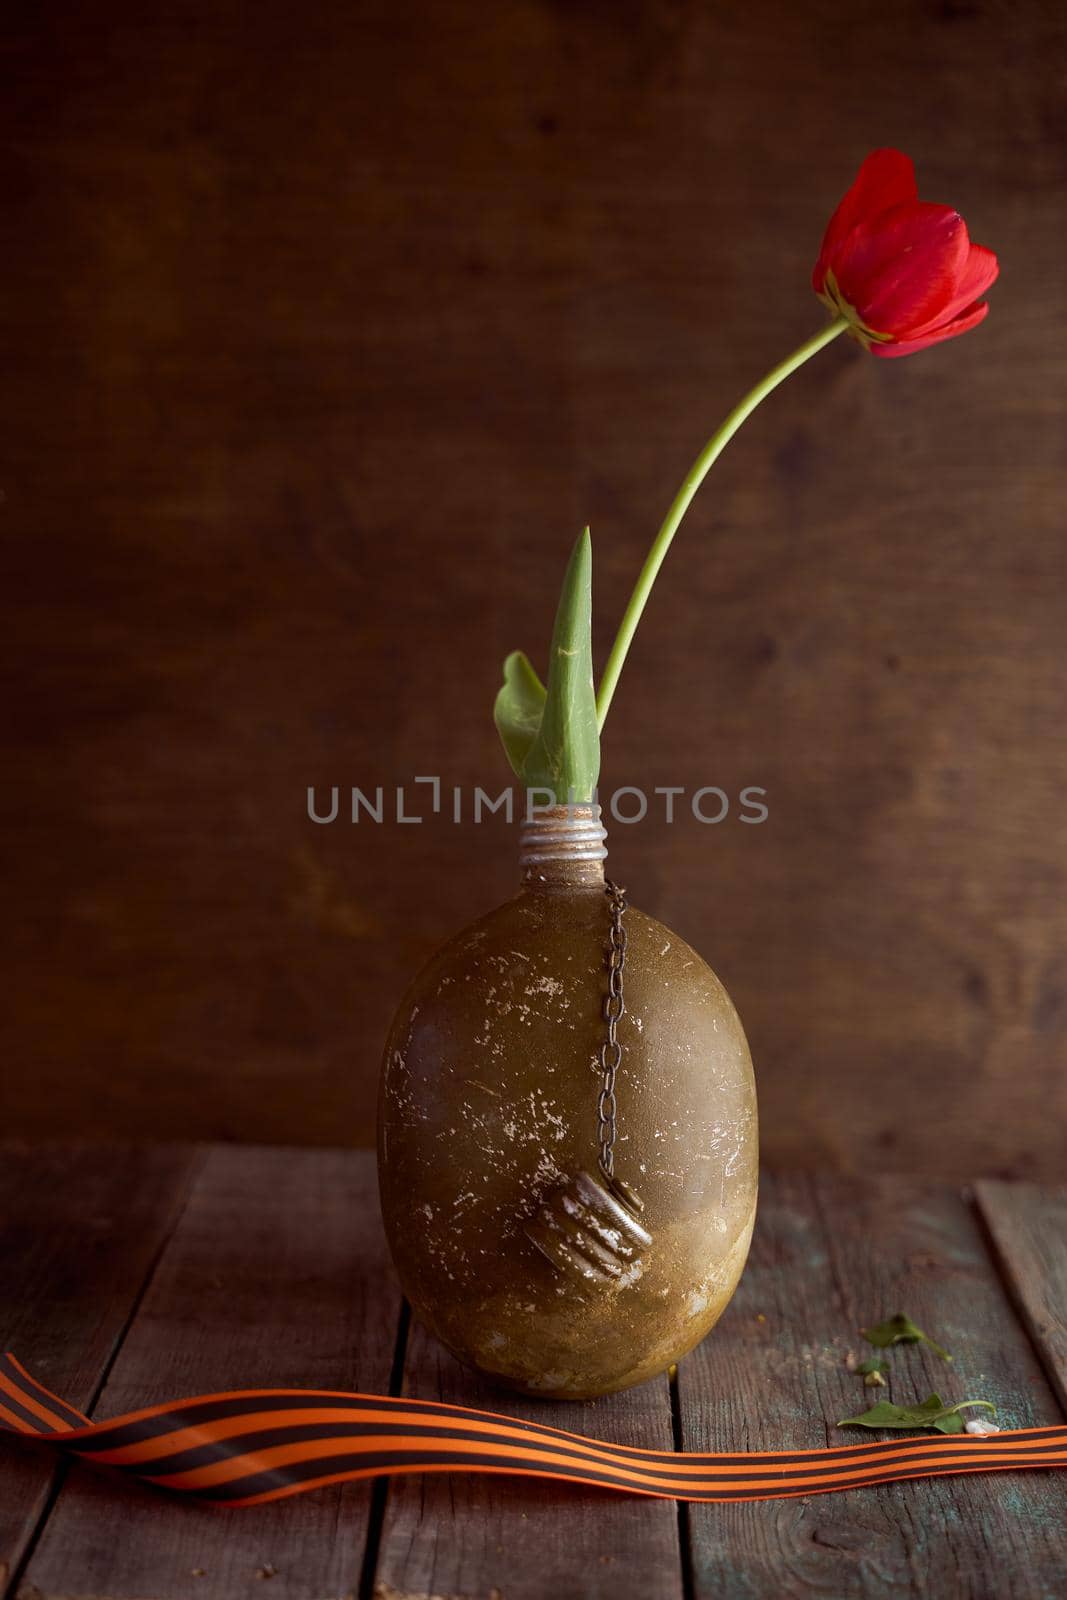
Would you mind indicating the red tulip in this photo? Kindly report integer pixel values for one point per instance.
(904, 272)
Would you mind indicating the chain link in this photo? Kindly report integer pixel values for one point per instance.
(611, 1049)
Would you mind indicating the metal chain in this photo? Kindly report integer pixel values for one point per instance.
(611, 1049)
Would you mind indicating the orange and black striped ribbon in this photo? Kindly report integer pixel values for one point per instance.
(254, 1445)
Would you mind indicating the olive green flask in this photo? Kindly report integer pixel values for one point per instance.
(567, 1236)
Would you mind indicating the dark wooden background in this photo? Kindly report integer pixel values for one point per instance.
(324, 329)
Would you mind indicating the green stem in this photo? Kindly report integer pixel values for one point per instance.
(680, 505)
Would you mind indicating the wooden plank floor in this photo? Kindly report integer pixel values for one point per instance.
(132, 1276)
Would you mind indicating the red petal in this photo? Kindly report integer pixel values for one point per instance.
(886, 179)
(900, 270)
(948, 330)
(978, 275)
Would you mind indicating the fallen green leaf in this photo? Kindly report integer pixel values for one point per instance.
(901, 1330)
(873, 1364)
(931, 1413)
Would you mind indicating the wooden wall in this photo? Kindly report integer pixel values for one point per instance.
(325, 328)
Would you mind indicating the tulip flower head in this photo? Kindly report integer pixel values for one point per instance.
(901, 270)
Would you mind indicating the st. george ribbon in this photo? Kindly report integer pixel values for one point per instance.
(248, 1446)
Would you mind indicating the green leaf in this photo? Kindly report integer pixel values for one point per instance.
(564, 755)
(931, 1413)
(517, 709)
(901, 1330)
(875, 1364)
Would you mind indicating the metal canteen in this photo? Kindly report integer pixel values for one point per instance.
(513, 1245)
